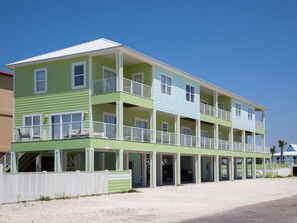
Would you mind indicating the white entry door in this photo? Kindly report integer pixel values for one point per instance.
(110, 129)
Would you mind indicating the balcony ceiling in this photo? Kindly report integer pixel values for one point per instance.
(128, 60)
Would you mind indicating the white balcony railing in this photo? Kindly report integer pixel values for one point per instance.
(188, 140)
(238, 146)
(136, 88)
(207, 109)
(259, 125)
(223, 114)
(74, 130)
(104, 86)
(207, 143)
(109, 85)
(137, 134)
(166, 138)
(249, 148)
(211, 111)
(5, 159)
(224, 145)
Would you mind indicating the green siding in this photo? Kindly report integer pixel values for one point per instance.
(206, 97)
(165, 118)
(227, 102)
(98, 63)
(219, 121)
(137, 68)
(60, 96)
(118, 186)
(188, 124)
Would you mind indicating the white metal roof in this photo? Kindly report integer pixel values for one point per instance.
(94, 45)
(290, 153)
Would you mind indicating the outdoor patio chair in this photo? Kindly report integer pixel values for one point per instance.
(25, 135)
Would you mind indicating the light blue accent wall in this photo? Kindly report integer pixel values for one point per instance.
(176, 103)
(243, 122)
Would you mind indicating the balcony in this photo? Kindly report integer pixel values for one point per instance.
(109, 85)
(224, 145)
(77, 130)
(211, 111)
(259, 124)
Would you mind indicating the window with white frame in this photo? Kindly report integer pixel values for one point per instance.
(78, 75)
(164, 126)
(32, 124)
(166, 82)
(40, 80)
(250, 113)
(190, 93)
(238, 109)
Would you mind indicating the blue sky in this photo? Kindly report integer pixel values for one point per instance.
(248, 47)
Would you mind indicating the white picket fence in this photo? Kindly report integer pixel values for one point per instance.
(15, 187)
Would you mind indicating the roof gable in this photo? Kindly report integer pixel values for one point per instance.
(292, 148)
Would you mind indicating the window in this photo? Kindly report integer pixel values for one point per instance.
(164, 126)
(109, 83)
(250, 114)
(65, 124)
(78, 75)
(186, 131)
(32, 124)
(166, 82)
(204, 133)
(40, 81)
(238, 109)
(190, 93)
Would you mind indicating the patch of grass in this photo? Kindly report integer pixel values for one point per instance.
(44, 198)
(63, 197)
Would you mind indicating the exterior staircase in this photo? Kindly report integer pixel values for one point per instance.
(25, 159)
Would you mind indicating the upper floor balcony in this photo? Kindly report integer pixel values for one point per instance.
(102, 130)
(215, 112)
(109, 85)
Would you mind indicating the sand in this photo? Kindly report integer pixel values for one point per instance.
(161, 204)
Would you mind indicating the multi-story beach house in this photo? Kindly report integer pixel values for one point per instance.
(101, 105)
(6, 101)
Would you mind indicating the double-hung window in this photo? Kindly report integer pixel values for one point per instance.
(32, 125)
(166, 82)
(165, 126)
(78, 75)
(238, 109)
(190, 93)
(40, 80)
(250, 114)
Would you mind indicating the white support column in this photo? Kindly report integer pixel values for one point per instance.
(153, 169)
(14, 162)
(254, 141)
(143, 168)
(243, 168)
(120, 119)
(159, 170)
(198, 133)
(153, 125)
(120, 70)
(58, 160)
(89, 159)
(126, 161)
(243, 139)
(231, 138)
(38, 163)
(90, 94)
(216, 134)
(215, 102)
(102, 161)
(119, 159)
(263, 137)
(197, 168)
(264, 167)
(231, 168)
(177, 129)
(177, 180)
(1, 184)
(216, 169)
(254, 166)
